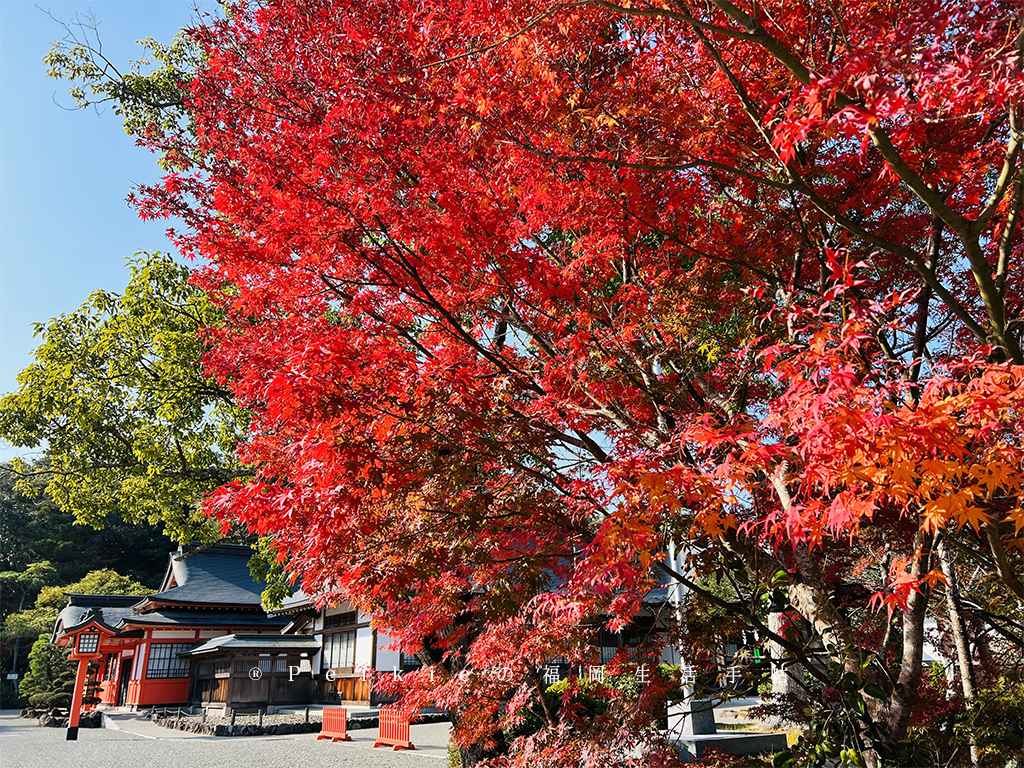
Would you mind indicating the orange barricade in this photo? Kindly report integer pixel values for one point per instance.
(335, 725)
(394, 729)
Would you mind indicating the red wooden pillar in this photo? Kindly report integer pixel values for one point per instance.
(76, 703)
(85, 642)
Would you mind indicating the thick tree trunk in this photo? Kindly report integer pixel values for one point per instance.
(889, 717)
(787, 673)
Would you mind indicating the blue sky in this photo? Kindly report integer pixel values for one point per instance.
(65, 229)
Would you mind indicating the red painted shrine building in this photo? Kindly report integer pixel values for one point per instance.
(206, 594)
(201, 637)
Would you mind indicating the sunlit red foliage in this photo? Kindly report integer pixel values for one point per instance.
(518, 292)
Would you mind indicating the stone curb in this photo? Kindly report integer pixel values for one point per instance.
(355, 723)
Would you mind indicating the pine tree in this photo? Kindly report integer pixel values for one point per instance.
(50, 681)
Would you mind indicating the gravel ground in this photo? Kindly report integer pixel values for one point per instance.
(140, 744)
(216, 719)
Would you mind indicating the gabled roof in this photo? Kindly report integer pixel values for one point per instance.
(297, 602)
(204, 587)
(171, 617)
(210, 576)
(255, 644)
(108, 610)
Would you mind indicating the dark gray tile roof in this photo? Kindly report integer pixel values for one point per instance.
(174, 617)
(256, 644)
(299, 601)
(110, 609)
(214, 576)
(657, 596)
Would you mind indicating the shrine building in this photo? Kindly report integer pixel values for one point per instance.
(142, 643)
(202, 637)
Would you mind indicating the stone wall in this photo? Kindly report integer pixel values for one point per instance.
(273, 725)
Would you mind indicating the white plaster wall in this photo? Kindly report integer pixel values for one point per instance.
(364, 647)
(387, 659)
(140, 661)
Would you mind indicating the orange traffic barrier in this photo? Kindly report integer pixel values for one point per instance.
(394, 729)
(335, 725)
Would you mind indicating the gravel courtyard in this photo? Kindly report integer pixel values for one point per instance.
(140, 744)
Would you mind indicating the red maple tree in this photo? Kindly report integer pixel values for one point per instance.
(519, 292)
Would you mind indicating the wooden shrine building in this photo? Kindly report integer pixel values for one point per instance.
(144, 659)
(349, 648)
(205, 639)
(223, 670)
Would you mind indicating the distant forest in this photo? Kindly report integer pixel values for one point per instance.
(35, 529)
(43, 553)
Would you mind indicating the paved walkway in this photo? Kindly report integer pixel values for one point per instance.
(140, 744)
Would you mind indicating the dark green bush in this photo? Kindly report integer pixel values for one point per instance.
(50, 681)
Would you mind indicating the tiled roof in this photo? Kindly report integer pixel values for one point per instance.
(109, 609)
(216, 575)
(299, 601)
(203, 587)
(176, 617)
(256, 643)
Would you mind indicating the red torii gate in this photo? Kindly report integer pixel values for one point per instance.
(88, 642)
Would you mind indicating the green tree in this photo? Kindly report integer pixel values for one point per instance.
(100, 582)
(34, 529)
(147, 93)
(19, 586)
(22, 626)
(51, 678)
(16, 588)
(39, 619)
(119, 398)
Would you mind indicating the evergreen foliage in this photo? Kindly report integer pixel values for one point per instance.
(51, 679)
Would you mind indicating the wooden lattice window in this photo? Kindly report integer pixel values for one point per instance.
(164, 662)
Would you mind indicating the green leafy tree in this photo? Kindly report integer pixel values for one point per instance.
(34, 529)
(118, 396)
(16, 588)
(185, 426)
(149, 96)
(24, 625)
(101, 582)
(39, 619)
(20, 586)
(147, 93)
(41, 545)
(51, 679)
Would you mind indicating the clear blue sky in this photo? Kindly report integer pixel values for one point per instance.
(65, 229)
